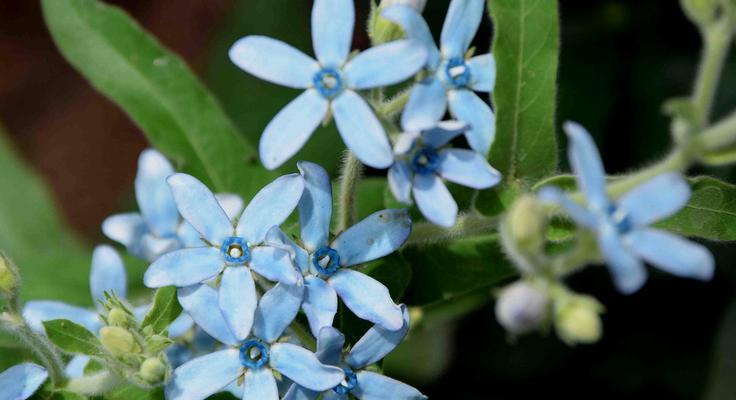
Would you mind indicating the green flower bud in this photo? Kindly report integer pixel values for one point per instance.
(527, 224)
(153, 370)
(382, 30)
(118, 317)
(700, 11)
(8, 279)
(522, 308)
(117, 341)
(157, 343)
(579, 321)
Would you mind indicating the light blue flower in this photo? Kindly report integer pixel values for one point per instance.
(331, 84)
(453, 78)
(326, 264)
(21, 381)
(248, 360)
(625, 237)
(360, 382)
(423, 160)
(230, 249)
(158, 228)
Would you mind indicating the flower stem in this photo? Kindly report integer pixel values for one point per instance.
(347, 207)
(716, 40)
(468, 225)
(38, 344)
(719, 135)
(94, 385)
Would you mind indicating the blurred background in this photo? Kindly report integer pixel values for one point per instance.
(619, 61)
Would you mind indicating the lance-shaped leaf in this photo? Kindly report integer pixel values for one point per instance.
(72, 338)
(164, 311)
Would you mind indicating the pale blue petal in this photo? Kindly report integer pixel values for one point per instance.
(315, 206)
(270, 206)
(200, 208)
(153, 194)
(125, 229)
(373, 386)
(303, 367)
(482, 73)
(153, 246)
(139, 312)
(320, 303)
(235, 389)
(75, 367)
(238, 300)
(275, 265)
(21, 381)
(367, 298)
(37, 311)
(204, 376)
(107, 275)
(361, 130)
(628, 272)
(184, 267)
(434, 200)
(274, 61)
(405, 142)
(260, 384)
(587, 165)
(468, 107)
(202, 304)
(377, 235)
(416, 28)
(578, 213)
(280, 240)
(426, 106)
(443, 133)
(329, 345)
(231, 203)
(461, 23)
(188, 236)
(333, 22)
(467, 168)
(297, 392)
(399, 181)
(377, 343)
(287, 132)
(385, 64)
(181, 325)
(672, 253)
(276, 310)
(656, 199)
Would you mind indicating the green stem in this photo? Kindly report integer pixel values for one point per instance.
(43, 350)
(719, 135)
(716, 42)
(444, 311)
(94, 385)
(468, 225)
(347, 208)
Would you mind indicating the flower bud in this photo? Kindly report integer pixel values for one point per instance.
(579, 321)
(700, 11)
(522, 308)
(118, 317)
(117, 341)
(527, 223)
(153, 370)
(380, 29)
(8, 278)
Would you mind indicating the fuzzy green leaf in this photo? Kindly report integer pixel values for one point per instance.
(164, 311)
(72, 338)
(709, 214)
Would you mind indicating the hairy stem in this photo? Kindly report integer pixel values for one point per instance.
(468, 225)
(93, 385)
(43, 350)
(719, 135)
(347, 206)
(716, 40)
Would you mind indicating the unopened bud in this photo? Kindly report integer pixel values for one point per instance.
(527, 224)
(522, 308)
(118, 317)
(579, 321)
(117, 341)
(380, 29)
(700, 11)
(8, 278)
(157, 343)
(153, 370)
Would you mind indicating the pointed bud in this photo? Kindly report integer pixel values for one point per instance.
(521, 308)
(118, 317)
(8, 276)
(157, 343)
(153, 370)
(381, 30)
(527, 224)
(117, 341)
(579, 321)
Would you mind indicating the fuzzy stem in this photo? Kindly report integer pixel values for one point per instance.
(716, 40)
(94, 385)
(38, 345)
(468, 225)
(347, 206)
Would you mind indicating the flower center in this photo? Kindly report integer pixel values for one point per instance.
(235, 250)
(458, 72)
(326, 260)
(426, 161)
(253, 354)
(620, 219)
(328, 82)
(348, 384)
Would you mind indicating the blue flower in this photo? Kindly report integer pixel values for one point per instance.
(248, 360)
(422, 161)
(326, 264)
(158, 228)
(622, 227)
(453, 78)
(360, 382)
(229, 248)
(21, 381)
(331, 84)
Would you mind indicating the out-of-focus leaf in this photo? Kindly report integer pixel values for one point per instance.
(72, 338)
(164, 311)
(132, 392)
(721, 384)
(411, 362)
(709, 214)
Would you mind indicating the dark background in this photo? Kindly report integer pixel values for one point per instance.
(620, 60)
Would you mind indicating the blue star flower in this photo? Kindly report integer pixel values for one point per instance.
(331, 84)
(21, 381)
(622, 227)
(359, 382)
(229, 248)
(423, 160)
(158, 228)
(453, 78)
(326, 264)
(248, 360)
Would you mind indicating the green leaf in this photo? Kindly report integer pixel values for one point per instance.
(525, 45)
(132, 392)
(164, 311)
(709, 214)
(72, 338)
(157, 90)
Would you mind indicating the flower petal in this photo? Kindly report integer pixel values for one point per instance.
(152, 247)
(672, 253)
(302, 366)
(184, 267)
(482, 73)
(361, 131)
(181, 325)
(125, 229)
(377, 343)
(270, 206)
(320, 303)
(287, 132)
(154, 195)
(280, 240)
(297, 392)
(587, 165)
(467, 168)
(628, 272)
(434, 200)
(237, 300)
(202, 304)
(274, 264)
(200, 208)
(231, 203)
(276, 310)
(204, 376)
(468, 107)
(315, 206)
(385, 64)
(377, 235)
(367, 298)
(416, 28)
(274, 61)
(461, 24)
(329, 345)
(443, 133)
(578, 213)
(426, 106)
(656, 199)
(373, 386)
(260, 384)
(333, 22)
(107, 275)
(37, 311)
(399, 181)
(75, 367)
(21, 381)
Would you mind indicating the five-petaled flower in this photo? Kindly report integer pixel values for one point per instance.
(331, 84)
(21, 381)
(622, 226)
